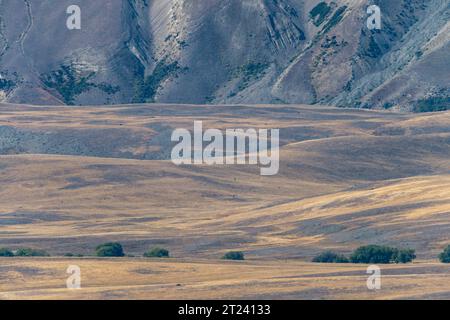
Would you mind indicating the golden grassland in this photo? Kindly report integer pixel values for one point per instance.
(202, 279)
(73, 178)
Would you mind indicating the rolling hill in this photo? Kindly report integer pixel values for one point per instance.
(347, 177)
(226, 51)
(73, 178)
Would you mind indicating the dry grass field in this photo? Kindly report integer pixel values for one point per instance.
(72, 178)
(201, 279)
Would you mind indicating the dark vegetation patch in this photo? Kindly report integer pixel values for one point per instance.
(157, 253)
(433, 104)
(374, 51)
(248, 73)
(110, 249)
(4, 252)
(444, 257)
(7, 85)
(319, 13)
(330, 257)
(70, 83)
(8, 82)
(146, 88)
(369, 254)
(30, 252)
(234, 255)
(382, 254)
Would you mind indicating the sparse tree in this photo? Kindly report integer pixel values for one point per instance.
(157, 253)
(234, 255)
(111, 249)
(29, 252)
(404, 256)
(330, 257)
(6, 252)
(444, 257)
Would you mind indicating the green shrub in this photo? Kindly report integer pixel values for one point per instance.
(234, 255)
(330, 257)
(111, 249)
(28, 252)
(444, 257)
(373, 254)
(157, 253)
(146, 88)
(382, 254)
(319, 13)
(6, 252)
(404, 256)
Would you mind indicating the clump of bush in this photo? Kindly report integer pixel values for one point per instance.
(29, 252)
(330, 257)
(110, 249)
(157, 253)
(382, 254)
(234, 255)
(444, 257)
(6, 253)
(370, 254)
(404, 256)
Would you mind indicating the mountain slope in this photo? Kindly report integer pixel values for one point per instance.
(226, 51)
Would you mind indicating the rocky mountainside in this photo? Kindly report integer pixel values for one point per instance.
(227, 51)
